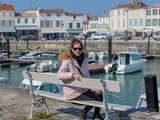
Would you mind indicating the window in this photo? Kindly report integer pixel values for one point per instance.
(118, 13)
(47, 23)
(48, 15)
(135, 22)
(154, 12)
(154, 22)
(42, 24)
(3, 23)
(26, 20)
(130, 22)
(62, 24)
(51, 23)
(18, 20)
(11, 14)
(124, 24)
(58, 23)
(78, 25)
(58, 15)
(10, 22)
(148, 12)
(70, 25)
(33, 20)
(4, 13)
(141, 22)
(124, 12)
(148, 22)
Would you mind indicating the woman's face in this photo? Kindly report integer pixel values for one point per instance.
(77, 49)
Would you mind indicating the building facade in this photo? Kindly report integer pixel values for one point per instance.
(52, 23)
(74, 24)
(27, 23)
(91, 26)
(7, 26)
(153, 17)
(128, 17)
(103, 23)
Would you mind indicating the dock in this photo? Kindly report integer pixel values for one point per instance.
(9, 62)
(96, 68)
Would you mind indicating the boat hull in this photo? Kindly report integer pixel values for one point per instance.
(127, 69)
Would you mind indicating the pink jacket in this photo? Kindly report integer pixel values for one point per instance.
(65, 72)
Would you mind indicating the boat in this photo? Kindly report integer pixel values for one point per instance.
(102, 55)
(25, 84)
(48, 63)
(128, 61)
(32, 56)
(3, 80)
(93, 55)
(38, 85)
(142, 102)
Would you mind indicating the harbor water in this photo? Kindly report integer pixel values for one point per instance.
(132, 85)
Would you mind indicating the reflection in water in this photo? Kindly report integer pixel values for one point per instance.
(132, 85)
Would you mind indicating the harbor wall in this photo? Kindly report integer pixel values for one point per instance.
(154, 46)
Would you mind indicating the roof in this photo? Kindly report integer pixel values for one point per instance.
(51, 11)
(73, 14)
(26, 14)
(7, 7)
(157, 5)
(132, 6)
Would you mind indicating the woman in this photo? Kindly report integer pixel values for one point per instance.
(75, 67)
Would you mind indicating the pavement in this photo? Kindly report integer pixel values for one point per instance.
(15, 103)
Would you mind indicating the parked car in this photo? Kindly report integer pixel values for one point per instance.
(98, 36)
(90, 33)
(119, 37)
(156, 35)
(28, 37)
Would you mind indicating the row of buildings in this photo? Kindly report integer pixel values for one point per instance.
(135, 17)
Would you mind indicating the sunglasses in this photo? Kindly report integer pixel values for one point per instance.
(75, 49)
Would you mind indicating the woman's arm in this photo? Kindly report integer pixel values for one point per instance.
(64, 72)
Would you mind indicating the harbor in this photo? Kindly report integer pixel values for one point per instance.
(132, 85)
(113, 50)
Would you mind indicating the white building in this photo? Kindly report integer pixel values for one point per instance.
(136, 19)
(103, 23)
(74, 23)
(127, 17)
(52, 23)
(92, 25)
(153, 17)
(27, 23)
(7, 27)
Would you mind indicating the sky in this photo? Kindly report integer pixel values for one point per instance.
(90, 7)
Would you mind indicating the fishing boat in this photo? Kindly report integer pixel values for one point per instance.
(128, 61)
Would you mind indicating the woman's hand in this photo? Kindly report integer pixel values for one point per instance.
(76, 77)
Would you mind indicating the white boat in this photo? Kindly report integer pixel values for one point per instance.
(128, 62)
(25, 84)
(93, 55)
(48, 63)
(102, 55)
(3, 80)
(32, 56)
(142, 100)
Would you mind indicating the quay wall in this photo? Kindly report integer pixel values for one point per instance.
(99, 45)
